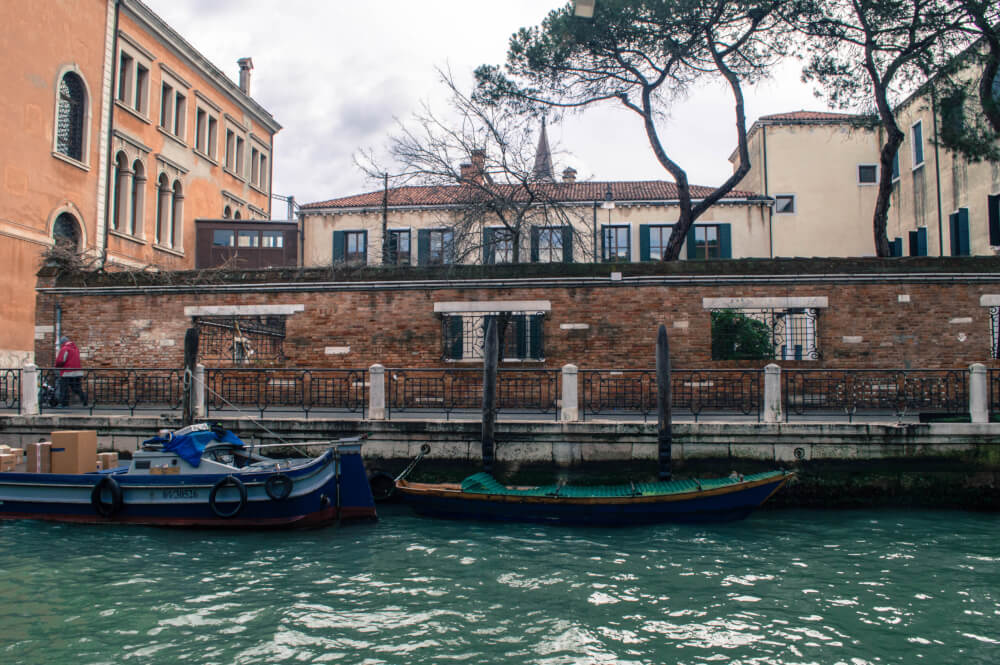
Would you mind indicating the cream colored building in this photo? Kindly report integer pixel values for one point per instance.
(632, 224)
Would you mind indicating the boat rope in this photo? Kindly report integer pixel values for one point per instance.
(424, 449)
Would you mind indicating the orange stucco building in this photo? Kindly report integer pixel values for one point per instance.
(115, 135)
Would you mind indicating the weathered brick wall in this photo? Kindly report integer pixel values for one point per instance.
(937, 322)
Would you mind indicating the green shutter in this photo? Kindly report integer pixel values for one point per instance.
(963, 232)
(896, 247)
(993, 215)
(953, 232)
(455, 330)
(338, 246)
(520, 332)
(914, 243)
(487, 246)
(644, 242)
(725, 241)
(567, 243)
(692, 251)
(536, 348)
(922, 241)
(423, 246)
(364, 252)
(534, 244)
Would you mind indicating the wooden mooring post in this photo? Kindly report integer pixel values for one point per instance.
(664, 433)
(190, 360)
(490, 356)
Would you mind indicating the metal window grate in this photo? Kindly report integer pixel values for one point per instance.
(69, 125)
(765, 334)
(241, 340)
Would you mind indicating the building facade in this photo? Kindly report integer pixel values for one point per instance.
(116, 135)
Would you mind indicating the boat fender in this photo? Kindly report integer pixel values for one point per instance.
(382, 485)
(96, 498)
(278, 487)
(228, 481)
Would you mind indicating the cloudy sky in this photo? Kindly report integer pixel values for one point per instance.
(337, 73)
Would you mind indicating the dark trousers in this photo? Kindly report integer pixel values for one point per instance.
(68, 383)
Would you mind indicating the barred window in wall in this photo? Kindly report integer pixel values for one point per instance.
(70, 116)
(464, 335)
(995, 332)
(241, 340)
(765, 334)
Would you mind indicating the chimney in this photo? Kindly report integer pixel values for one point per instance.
(569, 174)
(246, 65)
(466, 172)
(474, 172)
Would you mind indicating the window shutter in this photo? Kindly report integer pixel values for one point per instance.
(725, 241)
(364, 251)
(692, 250)
(993, 214)
(896, 247)
(488, 257)
(953, 232)
(534, 244)
(520, 331)
(423, 246)
(963, 232)
(922, 241)
(338, 246)
(644, 242)
(455, 330)
(914, 243)
(536, 349)
(567, 244)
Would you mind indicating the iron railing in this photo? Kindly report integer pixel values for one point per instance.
(608, 392)
(993, 379)
(111, 388)
(854, 392)
(10, 389)
(331, 391)
(453, 391)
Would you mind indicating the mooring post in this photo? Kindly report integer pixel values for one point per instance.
(664, 434)
(190, 360)
(489, 392)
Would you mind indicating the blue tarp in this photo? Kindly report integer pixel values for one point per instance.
(191, 445)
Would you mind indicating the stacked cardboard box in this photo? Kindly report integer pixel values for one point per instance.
(107, 461)
(40, 457)
(74, 451)
(10, 458)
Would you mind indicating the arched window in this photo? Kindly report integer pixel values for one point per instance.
(227, 212)
(236, 215)
(71, 113)
(123, 192)
(138, 197)
(177, 216)
(66, 232)
(163, 208)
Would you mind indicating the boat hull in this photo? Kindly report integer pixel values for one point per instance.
(728, 503)
(332, 487)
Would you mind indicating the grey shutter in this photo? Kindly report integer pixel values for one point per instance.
(338, 246)
(535, 231)
(567, 244)
(364, 251)
(644, 242)
(521, 334)
(423, 246)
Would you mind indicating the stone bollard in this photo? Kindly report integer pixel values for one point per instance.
(376, 392)
(979, 409)
(29, 390)
(198, 390)
(772, 393)
(570, 411)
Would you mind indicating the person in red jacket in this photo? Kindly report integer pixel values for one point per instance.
(68, 360)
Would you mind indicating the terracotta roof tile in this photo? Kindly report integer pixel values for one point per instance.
(563, 192)
(808, 116)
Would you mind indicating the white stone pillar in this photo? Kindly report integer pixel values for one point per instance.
(772, 393)
(29, 390)
(198, 390)
(376, 392)
(570, 411)
(979, 394)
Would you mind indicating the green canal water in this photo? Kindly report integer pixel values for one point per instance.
(780, 587)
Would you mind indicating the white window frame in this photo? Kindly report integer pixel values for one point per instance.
(84, 162)
(914, 144)
(136, 101)
(875, 182)
(210, 145)
(178, 88)
(239, 168)
(795, 204)
(259, 168)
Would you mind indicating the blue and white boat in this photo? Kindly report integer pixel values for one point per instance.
(201, 477)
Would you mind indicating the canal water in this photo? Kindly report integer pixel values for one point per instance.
(781, 587)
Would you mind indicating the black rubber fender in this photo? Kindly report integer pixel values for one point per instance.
(383, 485)
(278, 487)
(228, 481)
(97, 501)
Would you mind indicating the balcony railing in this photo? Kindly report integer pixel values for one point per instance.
(459, 391)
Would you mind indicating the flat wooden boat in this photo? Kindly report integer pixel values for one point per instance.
(482, 497)
(212, 482)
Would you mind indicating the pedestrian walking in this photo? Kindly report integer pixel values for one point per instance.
(70, 374)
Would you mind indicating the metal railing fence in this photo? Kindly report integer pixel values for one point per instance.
(112, 388)
(852, 392)
(10, 389)
(454, 391)
(330, 391)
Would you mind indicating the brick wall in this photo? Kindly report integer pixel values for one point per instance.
(918, 319)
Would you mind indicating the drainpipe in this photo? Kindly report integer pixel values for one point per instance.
(937, 170)
(108, 206)
(770, 208)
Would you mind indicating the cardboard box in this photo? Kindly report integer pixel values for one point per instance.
(74, 451)
(165, 470)
(40, 457)
(106, 461)
(8, 461)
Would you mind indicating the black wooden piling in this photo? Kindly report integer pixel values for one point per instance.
(190, 360)
(490, 356)
(664, 433)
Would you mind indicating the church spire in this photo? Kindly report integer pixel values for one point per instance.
(542, 172)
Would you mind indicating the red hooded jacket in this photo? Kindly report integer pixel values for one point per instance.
(69, 360)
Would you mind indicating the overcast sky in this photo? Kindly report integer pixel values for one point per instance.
(336, 73)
